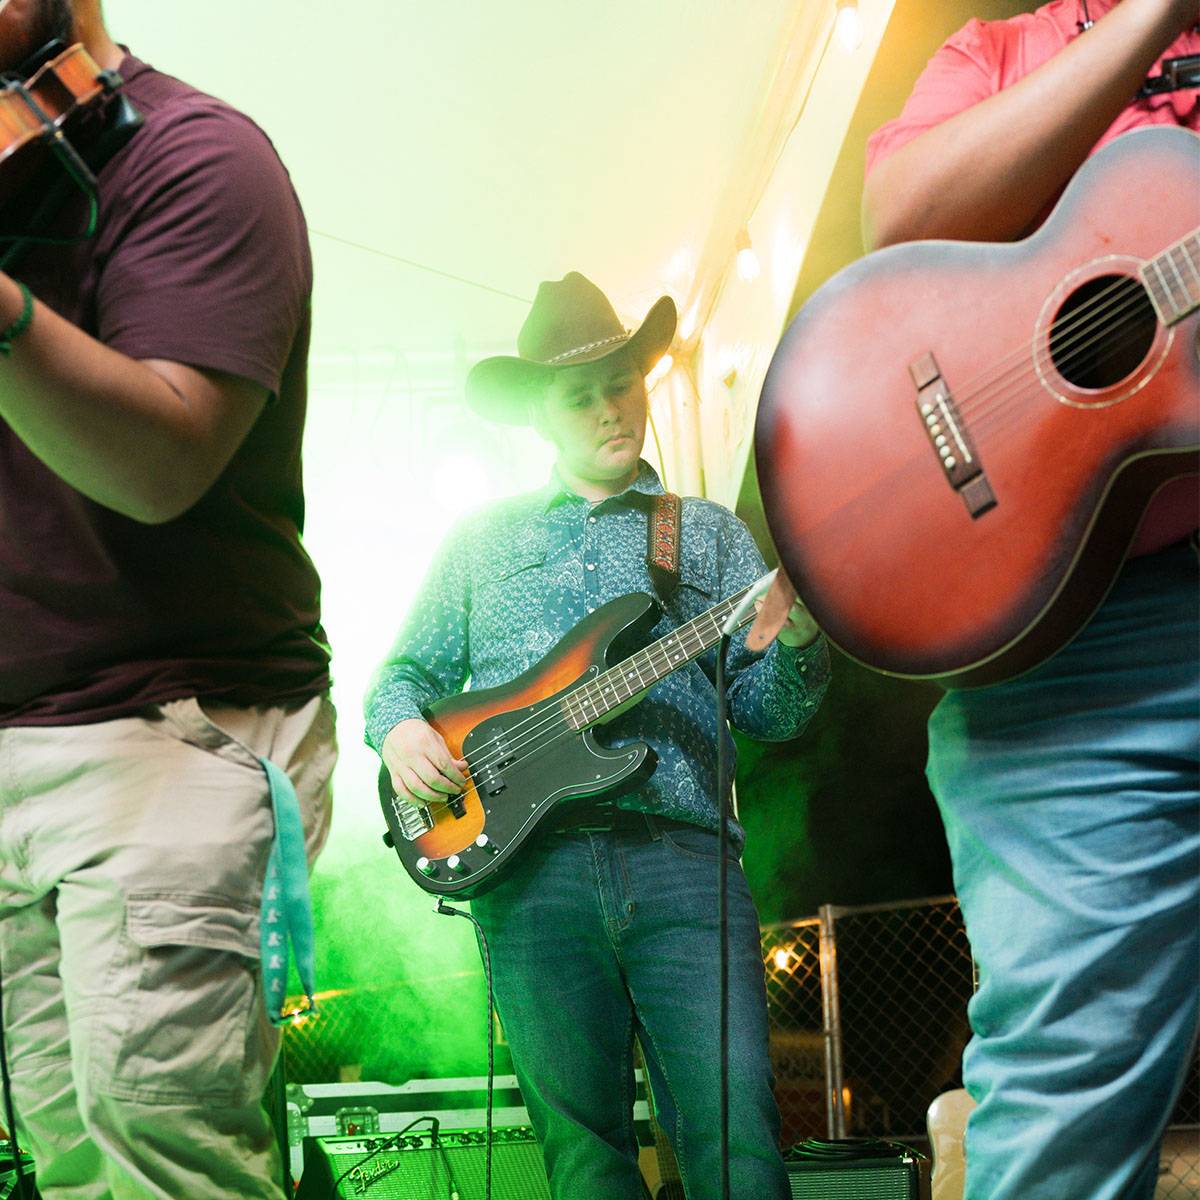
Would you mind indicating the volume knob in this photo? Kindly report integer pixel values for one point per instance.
(427, 868)
(485, 843)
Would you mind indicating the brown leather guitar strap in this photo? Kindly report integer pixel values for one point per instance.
(662, 543)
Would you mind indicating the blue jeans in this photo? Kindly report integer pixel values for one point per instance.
(1071, 800)
(598, 938)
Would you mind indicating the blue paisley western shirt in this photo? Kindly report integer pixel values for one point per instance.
(509, 582)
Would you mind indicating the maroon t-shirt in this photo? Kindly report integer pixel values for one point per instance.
(200, 257)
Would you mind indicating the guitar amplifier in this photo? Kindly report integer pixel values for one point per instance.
(416, 1169)
(856, 1169)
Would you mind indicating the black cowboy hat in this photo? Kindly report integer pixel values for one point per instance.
(571, 322)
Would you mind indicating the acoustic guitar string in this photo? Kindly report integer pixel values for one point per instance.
(999, 423)
(981, 411)
(1002, 417)
(1124, 293)
(1127, 305)
(995, 407)
(1085, 312)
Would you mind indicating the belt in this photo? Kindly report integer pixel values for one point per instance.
(607, 818)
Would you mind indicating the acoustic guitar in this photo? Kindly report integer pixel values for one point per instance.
(531, 748)
(946, 1122)
(956, 441)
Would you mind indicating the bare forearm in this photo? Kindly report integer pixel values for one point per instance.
(986, 173)
(116, 429)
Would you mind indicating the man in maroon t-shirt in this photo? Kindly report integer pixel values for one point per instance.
(1070, 795)
(159, 638)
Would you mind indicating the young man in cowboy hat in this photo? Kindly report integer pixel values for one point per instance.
(606, 929)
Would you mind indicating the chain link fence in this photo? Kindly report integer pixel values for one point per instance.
(868, 1021)
(799, 1045)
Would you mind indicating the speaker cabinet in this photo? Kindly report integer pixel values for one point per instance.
(417, 1169)
(856, 1169)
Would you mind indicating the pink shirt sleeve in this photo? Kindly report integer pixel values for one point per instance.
(963, 72)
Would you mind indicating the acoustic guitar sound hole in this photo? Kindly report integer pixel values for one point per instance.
(1103, 331)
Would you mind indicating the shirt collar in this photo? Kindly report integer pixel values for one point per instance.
(646, 483)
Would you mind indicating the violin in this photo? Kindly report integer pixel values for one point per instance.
(57, 128)
(41, 106)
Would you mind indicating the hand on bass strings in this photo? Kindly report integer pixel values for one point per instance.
(420, 763)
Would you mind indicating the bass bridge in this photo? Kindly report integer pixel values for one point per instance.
(413, 820)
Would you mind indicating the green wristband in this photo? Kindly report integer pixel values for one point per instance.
(21, 324)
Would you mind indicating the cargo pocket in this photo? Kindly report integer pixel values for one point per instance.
(193, 1026)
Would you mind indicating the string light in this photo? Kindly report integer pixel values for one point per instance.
(687, 326)
(848, 26)
(659, 371)
(748, 266)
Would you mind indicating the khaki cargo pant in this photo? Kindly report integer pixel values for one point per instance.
(132, 855)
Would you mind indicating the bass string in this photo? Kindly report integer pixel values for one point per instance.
(533, 726)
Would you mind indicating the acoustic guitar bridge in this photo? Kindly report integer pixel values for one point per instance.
(949, 438)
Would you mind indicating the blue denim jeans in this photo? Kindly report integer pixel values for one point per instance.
(598, 938)
(1071, 799)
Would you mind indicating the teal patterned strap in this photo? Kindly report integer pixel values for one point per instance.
(287, 920)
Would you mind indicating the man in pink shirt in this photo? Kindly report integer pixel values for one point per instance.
(1069, 795)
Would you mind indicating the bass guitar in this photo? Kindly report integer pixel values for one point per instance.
(530, 744)
(956, 441)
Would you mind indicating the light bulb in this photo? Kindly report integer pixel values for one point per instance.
(748, 266)
(659, 371)
(848, 26)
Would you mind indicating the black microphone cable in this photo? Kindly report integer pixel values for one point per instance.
(722, 907)
(447, 911)
(737, 618)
